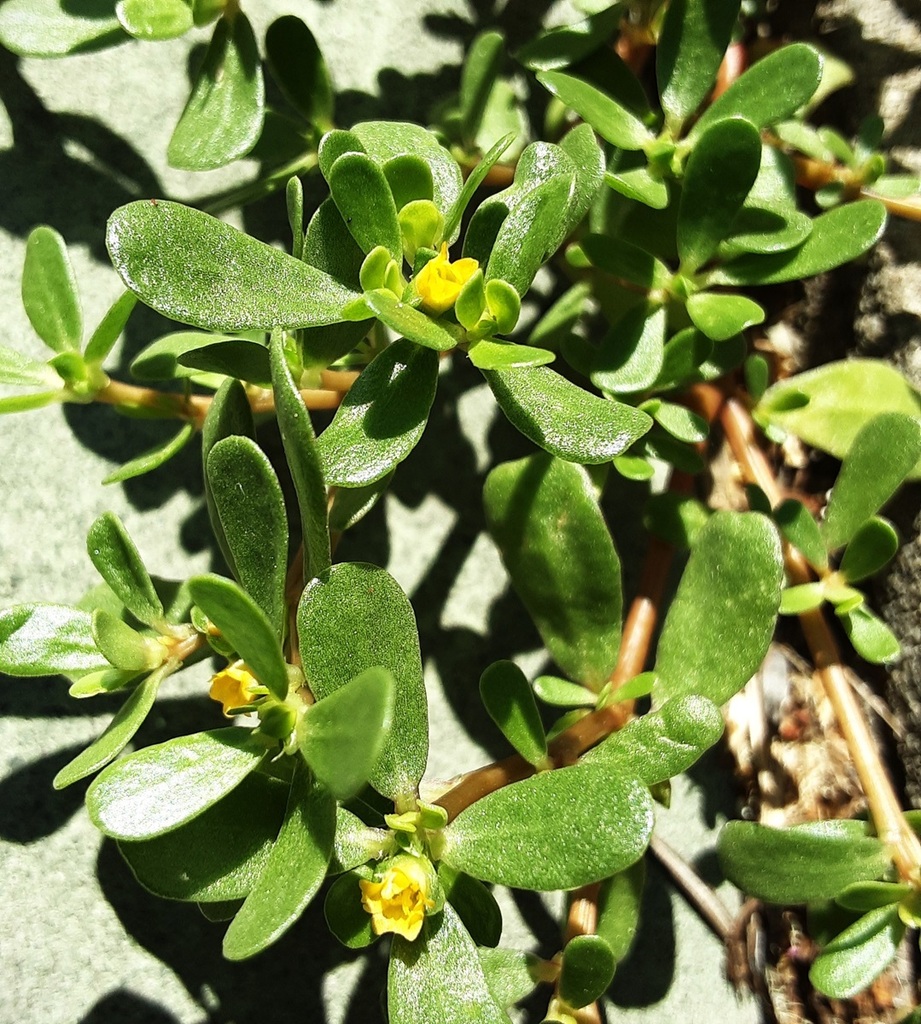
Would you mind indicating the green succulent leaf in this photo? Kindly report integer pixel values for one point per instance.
(586, 970)
(640, 184)
(814, 861)
(195, 269)
(218, 855)
(21, 371)
(411, 323)
(619, 902)
(562, 418)
(567, 44)
(799, 527)
(612, 120)
(164, 786)
(802, 598)
(562, 693)
(355, 617)
(362, 194)
(118, 734)
(719, 626)
(245, 360)
(304, 461)
(49, 291)
(625, 261)
(544, 517)
(163, 358)
(872, 546)
(882, 455)
(509, 700)
(476, 177)
(475, 905)
(721, 317)
(871, 638)
(223, 117)
(297, 65)
(119, 563)
(154, 19)
(482, 65)
(381, 418)
(293, 873)
(849, 963)
(244, 625)
(251, 509)
(630, 356)
(601, 824)
(44, 639)
(110, 328)
(49, 28)
(356, 843)
(351, 504)
(676, 518)
(864, 896)
(502, 355)
(511, 974)
(122, 646)
(346, 917)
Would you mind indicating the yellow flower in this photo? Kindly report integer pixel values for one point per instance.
(440, 281)
(399, 901)
(235, 687)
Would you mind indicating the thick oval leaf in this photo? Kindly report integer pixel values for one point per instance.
(859, 954)
(154, 19)
(345, 916)
(438, 978)
(694, 37)
(489, 354)
(509, 700)
(381, 418)
(613, 121)
(837, 237)
(44, 639)
(807, 862)
(882, 455)
(119, 732)
(220, 854)
(123, 646)
(303, 457)
(162, 787)
(721, 317)
(864, 896)
(245, 627)
(600, 825)
(411, 323)
(475, 904)
(586, 970)
(119, 563)
(297, 65)
(625, 261)
(362, 194)
(718, 176)
(511, 974)
(293, 873)
(223, 117)
(562, 418)
(245, 360)
(48, 28)
(619, 903)
(160, 360)
(195, 269)
(801, 530)
(630, 356)
(251, 508)
(719, 626)
(357, 843)
(343, 734)
(771, 90)
(153, 458)
(872, 546)
(828, 406)
(870, 637)
(49, 291)
(545, 520)
(351, 504)
(562, 693)
(355, 617)
(663, 743)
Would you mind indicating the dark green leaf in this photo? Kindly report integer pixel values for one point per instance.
(363, 197)
(382, 417)
(474, 180)
(630, 356)
(562, 418)
(586, 970)
(613, 121)
(346, 917)
(676, 518)
(251, 508)
(864, 896)
(246, 360)
(198, 270)
(119, 732)
(218, 855)
(293, 873)
(815, 861)
(245, 627)
(872, 546)
(481, 68)
(510, 974)
(508, 699)
(49, 291)
(44, 639)
(47, 28)
(160, 360)
(355, 617)
(223, 117)
(475, 904)
(352, 504)
(694, 37)
(882, 455)
(411, 323)
(559, 47)
(722, 316)
(110, 328)
(162, 787)
(626, 261)
(859, 954)
(600, 824)
(410, 179)
(719, 626)
(619, 904)
(297, 65)
(118, 562)
(545, 520)
(154, 19)
(871, 638)
(799, 527)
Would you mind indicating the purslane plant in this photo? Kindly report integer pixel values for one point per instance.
(662, 226)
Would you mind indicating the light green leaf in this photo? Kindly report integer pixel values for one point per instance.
(544, 517)
(344, 733)
(355, 617)
(719, 626)
(218, 855)
(123, 647)
(882, 455)
(815, 861)
(381, 418)
(871, 638)
(490, 354)
(196, 269)
(44, 639)
(245, 627)
(49, 291)
(474, 180)
(251, 508)
(802, 598)
(799, 527)
(511, 974)
(48, 28)
(20, 370)
(110, 328)
(678, 420)
(722, 316)
(613, 121)
(293, 873)
(356, 843)
(411, 323)
(482, 64)
(154, 19)
(297, 65)
(849, 963)
(864, 896)
(509, 701)
(586, 970)
(162, 787)
(438, 978)
(223, 117)
(562, 418)
(872, 546)
(639, 184)
(601, 824)
(119, 563)
(562, 693)
(630, 356)
(363, 197)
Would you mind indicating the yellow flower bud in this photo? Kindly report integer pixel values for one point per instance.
(399, 901)
(235, 687)
(440, 281)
